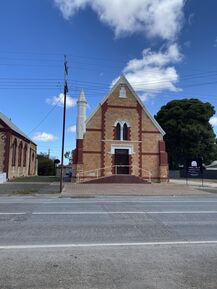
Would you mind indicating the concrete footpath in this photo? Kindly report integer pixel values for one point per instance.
(164, 189)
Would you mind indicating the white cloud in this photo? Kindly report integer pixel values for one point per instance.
(155, 18)
(154, 72)
(44, 137)
(213, 121)
(72, 129)
(59, 100)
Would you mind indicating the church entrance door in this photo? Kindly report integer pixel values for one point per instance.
(122, 161)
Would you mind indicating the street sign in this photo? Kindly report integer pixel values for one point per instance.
(194, 167)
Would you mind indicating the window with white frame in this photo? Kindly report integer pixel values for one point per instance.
(122, 92)
(121, 130)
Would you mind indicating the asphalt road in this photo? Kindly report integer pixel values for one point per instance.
(113, 242)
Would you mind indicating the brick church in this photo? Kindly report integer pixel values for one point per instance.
(120, 141)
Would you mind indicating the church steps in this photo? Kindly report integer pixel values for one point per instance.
(124, 179)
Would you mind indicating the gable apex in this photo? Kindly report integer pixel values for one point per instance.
(120, 81)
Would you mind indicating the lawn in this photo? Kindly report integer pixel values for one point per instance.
(36, 179)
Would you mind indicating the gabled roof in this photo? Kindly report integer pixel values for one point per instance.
(122, 80)
(13, 127)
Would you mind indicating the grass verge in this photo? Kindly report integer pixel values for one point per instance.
(48, 179)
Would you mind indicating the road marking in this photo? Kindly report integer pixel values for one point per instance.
(127, 212)
(70, 202)
(112, 213)
(13, 213)
(142, 244)
(127, 201)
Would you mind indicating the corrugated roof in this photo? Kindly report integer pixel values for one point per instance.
(12, 126)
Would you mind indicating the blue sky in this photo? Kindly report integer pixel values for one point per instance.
(167, 50)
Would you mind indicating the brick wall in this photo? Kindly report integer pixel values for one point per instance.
(144, 136)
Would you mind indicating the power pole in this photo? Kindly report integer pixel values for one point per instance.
(64, 120)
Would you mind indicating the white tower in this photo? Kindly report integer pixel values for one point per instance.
(81, 116)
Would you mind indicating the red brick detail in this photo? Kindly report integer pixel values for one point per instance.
(78, 155)
(162, 147)
(94, 129)
(92, 152)
(150, 154)
(104, 109)
(121, 106)
(129, 133)
(139, 111)
(149, 131)
(114, 133)
(163, 159)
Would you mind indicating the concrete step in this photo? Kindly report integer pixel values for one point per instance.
(124, 179)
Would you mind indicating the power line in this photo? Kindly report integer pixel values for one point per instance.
(45, 117)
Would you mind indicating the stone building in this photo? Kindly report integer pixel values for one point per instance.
(17, 152)
(120, 139)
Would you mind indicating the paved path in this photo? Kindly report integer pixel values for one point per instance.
(154, 189)
(108, 242)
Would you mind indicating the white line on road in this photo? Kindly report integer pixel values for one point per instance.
(112, 213)
(70, 202)
(13, 213)
(127, 212)
(47, 246)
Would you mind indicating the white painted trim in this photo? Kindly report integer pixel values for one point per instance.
(122, 142)
(122, 122)
(124, 147)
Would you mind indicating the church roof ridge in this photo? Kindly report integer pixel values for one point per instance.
(13, 127)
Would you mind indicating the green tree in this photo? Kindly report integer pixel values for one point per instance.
(68, 155)
(188, 131)
(45, 165)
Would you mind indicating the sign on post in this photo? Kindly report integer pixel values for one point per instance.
(194, 168)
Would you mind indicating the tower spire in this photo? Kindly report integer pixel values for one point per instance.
(81, 115)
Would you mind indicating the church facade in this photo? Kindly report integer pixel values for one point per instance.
(119, 138)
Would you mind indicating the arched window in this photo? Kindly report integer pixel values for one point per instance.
(24, 155)
(33, 157)
(20, 149)
(121, 130)
(125, 132)
(14, 153)
(118, 131)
